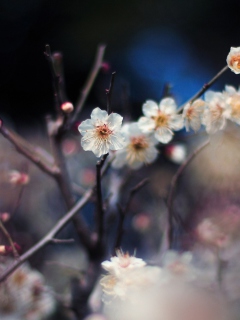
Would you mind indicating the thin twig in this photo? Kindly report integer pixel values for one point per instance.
(55, 78)
(100, 210)
(109, 93)
(62, 241)
(49, 236)
(27, 150)
(90, 80)
(173, 186)
(123, 211)
(205, 87)
(7, 235)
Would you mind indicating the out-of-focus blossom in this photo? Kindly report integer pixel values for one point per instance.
(142, 222)
(18, 178)
(177, 153)
(139, 148)
(211, 234)
(67, 107)
(101, 133)
(5, 216)
(233, 59)
(232, 97)
(161, 119)
(121, 263)
(217, 112)
(25, 296)
(106, 67)
(192, 115)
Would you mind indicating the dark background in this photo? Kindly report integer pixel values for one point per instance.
(149, 43)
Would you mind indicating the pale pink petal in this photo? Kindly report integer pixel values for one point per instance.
(146, 125)
(114, 121)
(164, 135)
(99, 115)
(150, 108)
(86, 126)
(168, 105)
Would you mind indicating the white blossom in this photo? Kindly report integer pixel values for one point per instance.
(139, 148)
(101, 133)
(232, 97)
(192, 115)
(233, 59)
(161, 119)
(217, 112)
(121, 263)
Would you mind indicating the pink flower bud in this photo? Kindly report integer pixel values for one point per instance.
(5, 216)
(18, 178)
(106, 67)
(67, 107)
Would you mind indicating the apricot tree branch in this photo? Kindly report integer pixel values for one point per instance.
(89, 82)
(205, 87)
(7, 235)
(109, 93)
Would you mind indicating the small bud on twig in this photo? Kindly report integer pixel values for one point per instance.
(67, 107)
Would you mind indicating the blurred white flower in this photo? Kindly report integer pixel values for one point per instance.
(161, 119)
(18, 178)
(232, 97)
(121, 263)
(217, 112)
(233, 59)
(177, 153)
(139, 148)
(192, 115)
(101, 133)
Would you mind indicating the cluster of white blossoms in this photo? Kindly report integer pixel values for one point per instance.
(134, 290)
(24, 296)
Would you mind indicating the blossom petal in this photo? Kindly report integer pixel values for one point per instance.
(99, 115)
(120, 159)
(114, 121)
(176, 122)
(116, 141)
(85, 126)
(168, 106)
(164, 135)
(146, 125)
(150, 108)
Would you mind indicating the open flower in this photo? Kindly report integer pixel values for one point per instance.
(139, 148)
(101, 133)
(217, 112)
(233, 59)
(121, 263)
(192, 114)
(162, 119)
(232, 97)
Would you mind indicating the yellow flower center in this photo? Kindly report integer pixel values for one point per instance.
(161, 119)
(138, 143)
(103, 131)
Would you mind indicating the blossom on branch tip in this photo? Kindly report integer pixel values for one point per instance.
(217, 112)
(233, 59)
(139, 148)
(161, 119)
(101, 133)
(18, 178)
(192, 114)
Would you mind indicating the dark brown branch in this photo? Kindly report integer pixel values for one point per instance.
(7, 235)
(100, 210)
(123, 211)
(173, 184)
(109, 93)
(28, 150)
(89, 83)
(205, 87)
(55, 78)
(49, 236)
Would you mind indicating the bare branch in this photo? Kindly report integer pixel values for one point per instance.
(109, 93)
(205, 87)
(100, 211)
(28, 150)
(90, 80)
(49, 236)
(123, 211)
(173, 186)
(60, 241)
